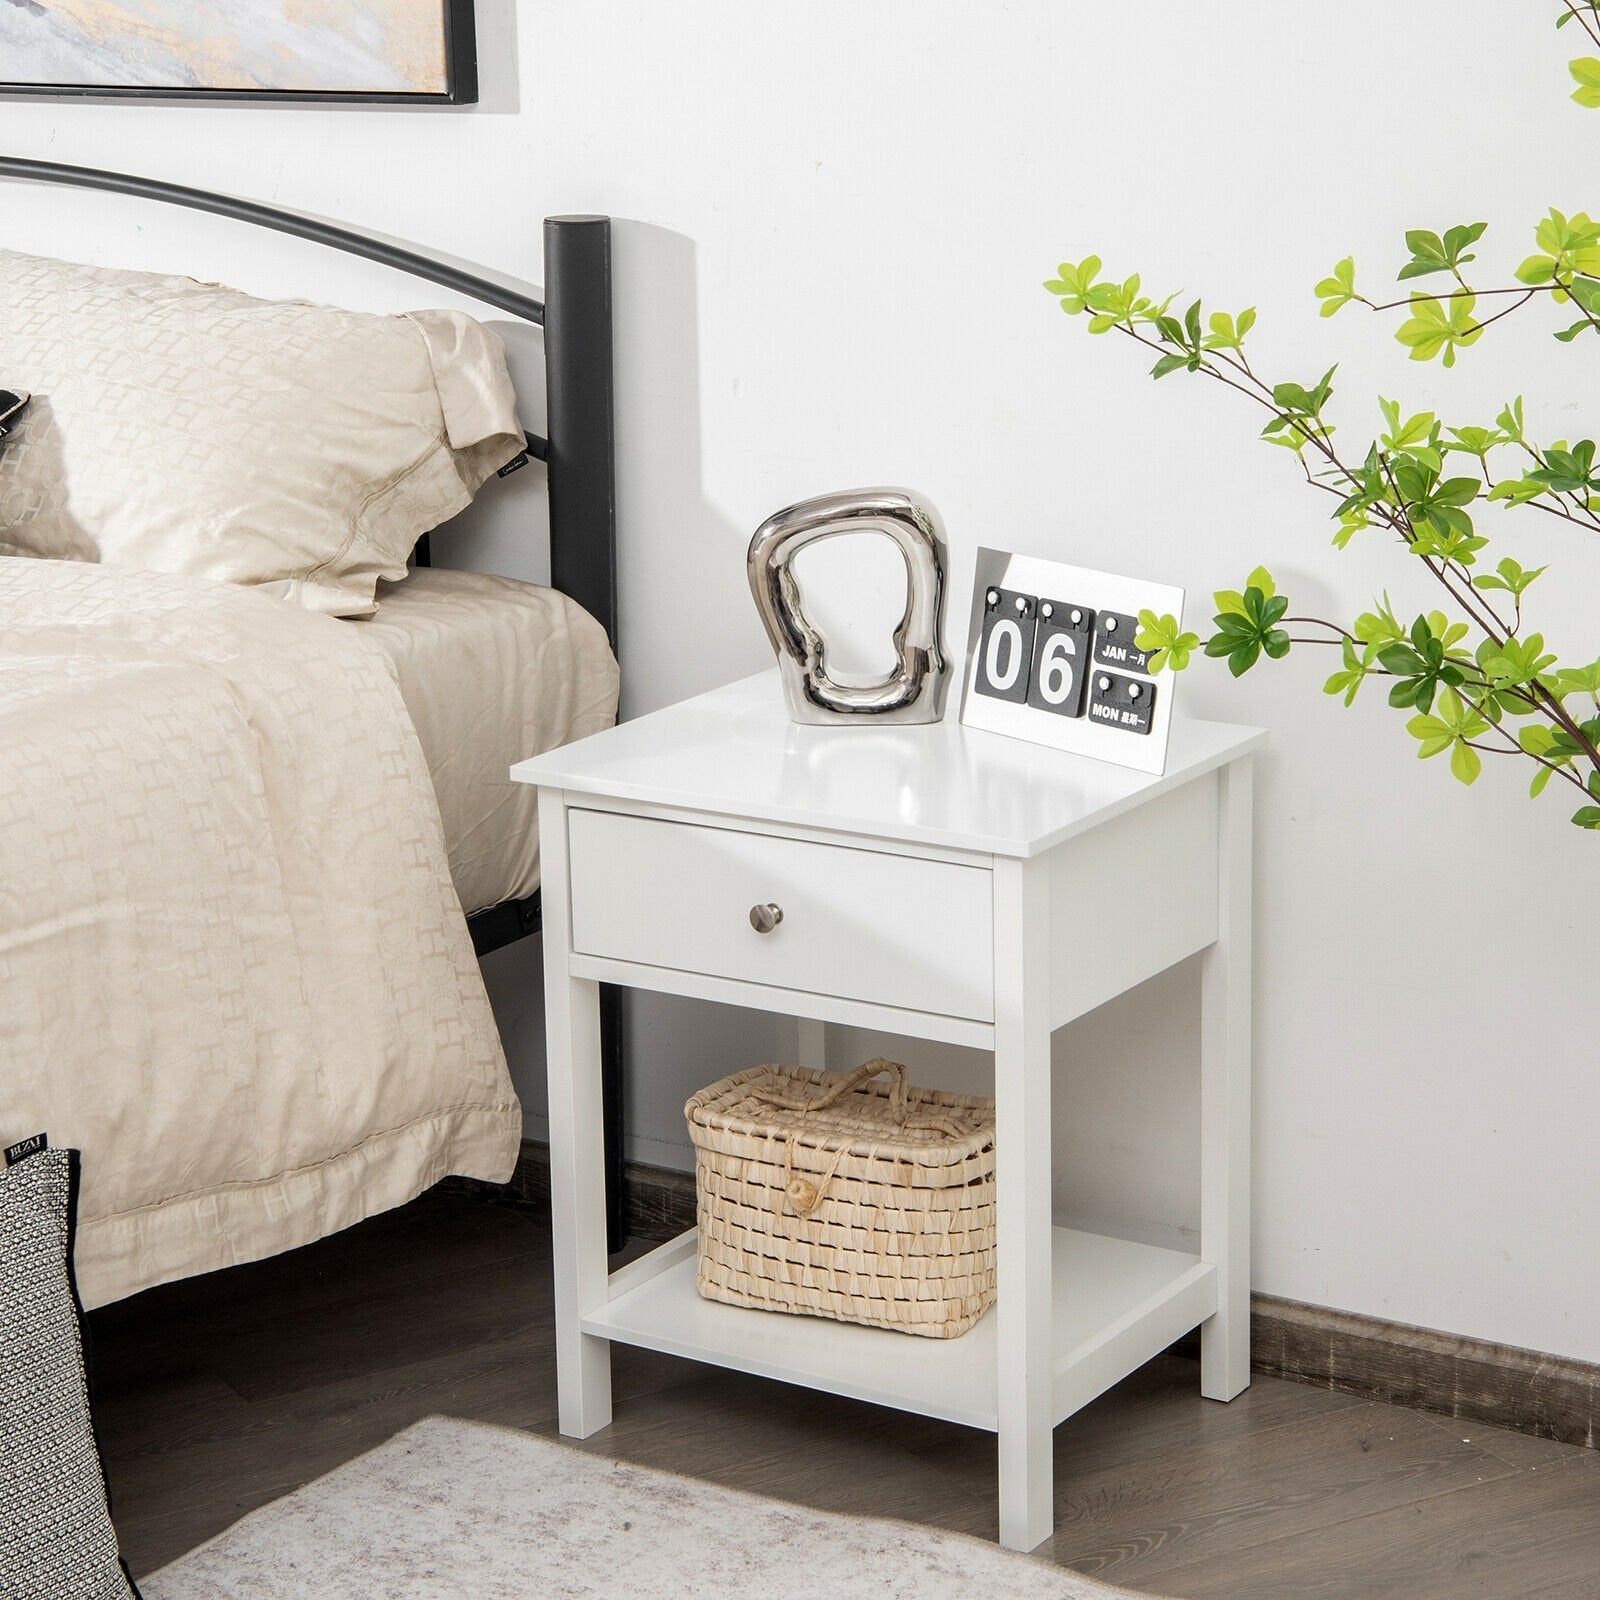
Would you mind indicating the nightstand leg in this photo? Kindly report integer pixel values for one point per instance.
(577, 1149)
(1022, 1186)
(811, 1042)
(1225, 1099)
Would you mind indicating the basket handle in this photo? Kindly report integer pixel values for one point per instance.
(851, 1080)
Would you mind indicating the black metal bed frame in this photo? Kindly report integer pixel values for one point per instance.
(579, 454)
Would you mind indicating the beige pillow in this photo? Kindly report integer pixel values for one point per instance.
(183, 427)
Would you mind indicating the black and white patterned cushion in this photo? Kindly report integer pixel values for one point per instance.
(56, 1538)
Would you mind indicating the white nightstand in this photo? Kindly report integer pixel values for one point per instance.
(938, 882)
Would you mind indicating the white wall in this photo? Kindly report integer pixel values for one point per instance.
(838, 217)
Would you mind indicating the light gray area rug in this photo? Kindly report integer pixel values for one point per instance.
(462, 1511)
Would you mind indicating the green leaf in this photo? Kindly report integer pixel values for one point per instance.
(1351, 522)
(1585, 291)
(1577, 680)
(1449, 728)
(1432, 736)
(1073, 282)
(1401, 660)
(1587, 816)
(1379, 627)
(1456, 492)
(1514, 661)
(1242, 654)
(1430, 253)
(1514, 578)
(1438, 327)
(1568, 470)
(1552, 744)
(1348, 680)
(1247, 626)
(1474, 441)
(1421, 667)
(1586, 69)
(1570, 243)
(1227, 332)
(1465, 762)
(1519, 491)
(1163, 636)
(1338, 290)
(1427, 254)
(1413, 431)
(1114, 303)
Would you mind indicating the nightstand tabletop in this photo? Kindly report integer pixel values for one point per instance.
(735, 751)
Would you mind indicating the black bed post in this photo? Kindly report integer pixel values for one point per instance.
(583, 528)
(582, 455)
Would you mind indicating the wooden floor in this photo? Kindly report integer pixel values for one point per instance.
(223, 1393)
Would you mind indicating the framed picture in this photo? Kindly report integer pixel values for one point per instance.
(385, 51)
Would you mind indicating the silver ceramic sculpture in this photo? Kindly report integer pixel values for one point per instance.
(914, 690)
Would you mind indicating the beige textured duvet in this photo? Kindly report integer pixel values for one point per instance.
(233, 970)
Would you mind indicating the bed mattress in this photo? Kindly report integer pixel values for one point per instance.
(491, 670)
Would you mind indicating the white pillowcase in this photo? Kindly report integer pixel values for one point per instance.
(185, 427)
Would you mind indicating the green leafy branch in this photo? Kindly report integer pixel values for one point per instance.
(1586, 69)
(1475, 678)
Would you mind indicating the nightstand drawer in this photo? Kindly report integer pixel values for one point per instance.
(865, 925)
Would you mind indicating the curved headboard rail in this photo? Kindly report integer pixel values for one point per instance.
(281, 221)
(580, 453)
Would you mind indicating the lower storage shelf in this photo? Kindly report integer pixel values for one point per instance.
(1114, 1305)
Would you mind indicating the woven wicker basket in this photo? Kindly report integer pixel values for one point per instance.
(834, 1196)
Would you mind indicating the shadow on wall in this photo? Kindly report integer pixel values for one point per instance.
(687, 623)
(506, 529)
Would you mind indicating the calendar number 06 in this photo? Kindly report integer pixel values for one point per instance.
(1034, 651)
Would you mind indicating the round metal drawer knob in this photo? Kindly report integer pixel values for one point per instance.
(765, 918)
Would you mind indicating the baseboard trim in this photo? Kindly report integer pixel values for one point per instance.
(1553, 1397)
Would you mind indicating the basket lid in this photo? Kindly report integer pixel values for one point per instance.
(852, 1111)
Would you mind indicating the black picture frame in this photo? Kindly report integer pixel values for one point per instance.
(461, 80)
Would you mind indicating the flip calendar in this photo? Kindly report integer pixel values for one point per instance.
(1052, 657)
